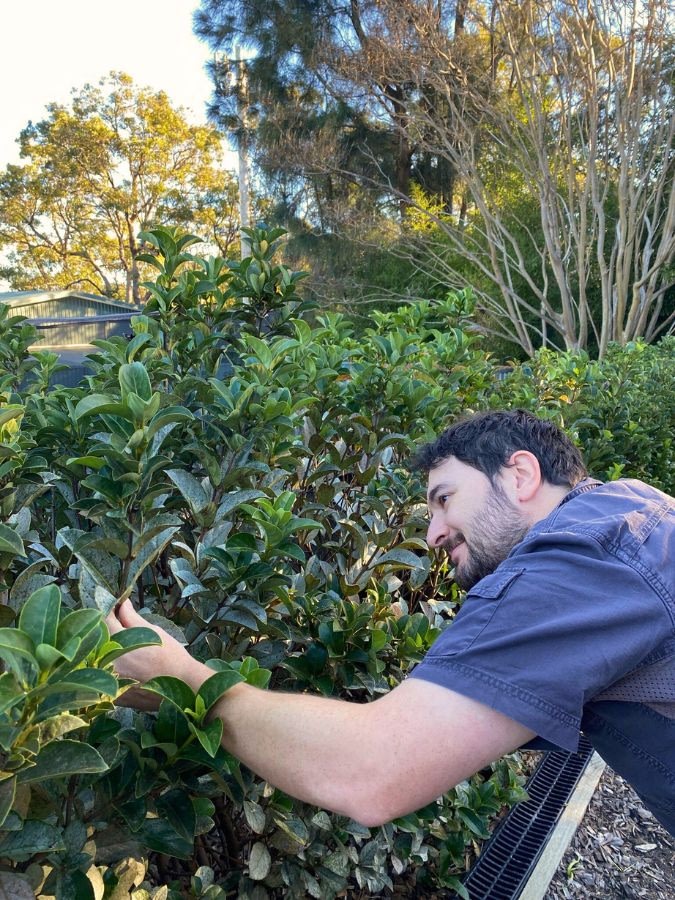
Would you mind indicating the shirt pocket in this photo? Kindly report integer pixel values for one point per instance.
(478, 610)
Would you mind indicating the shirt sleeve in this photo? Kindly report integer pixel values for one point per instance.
(553, 626)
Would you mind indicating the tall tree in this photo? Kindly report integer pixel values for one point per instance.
(329, 131)
(116, 161)
(583, 110)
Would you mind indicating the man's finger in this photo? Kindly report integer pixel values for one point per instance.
(113, 623)
(128, 617)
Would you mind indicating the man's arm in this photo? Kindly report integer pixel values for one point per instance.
(373, 761)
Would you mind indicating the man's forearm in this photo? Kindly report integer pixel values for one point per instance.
(313, 748)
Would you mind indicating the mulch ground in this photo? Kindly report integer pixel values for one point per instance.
(619, 850)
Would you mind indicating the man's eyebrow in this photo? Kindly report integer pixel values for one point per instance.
(436, 490)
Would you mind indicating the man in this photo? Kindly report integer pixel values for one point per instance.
(568, 624)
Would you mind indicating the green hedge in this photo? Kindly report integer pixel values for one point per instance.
(239, 469)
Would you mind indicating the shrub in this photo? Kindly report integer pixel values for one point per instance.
(238, 469)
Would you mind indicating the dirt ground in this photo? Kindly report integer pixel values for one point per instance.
(618, 851)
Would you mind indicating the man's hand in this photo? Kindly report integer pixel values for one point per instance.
(168, 658)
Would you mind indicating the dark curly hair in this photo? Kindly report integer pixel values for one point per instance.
(487, 440)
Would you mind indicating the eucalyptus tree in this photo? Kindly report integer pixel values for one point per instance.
(94, 174)
(563, 141)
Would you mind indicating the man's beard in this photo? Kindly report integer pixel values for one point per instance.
(495, 530)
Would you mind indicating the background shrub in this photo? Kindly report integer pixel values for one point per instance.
(620, 410)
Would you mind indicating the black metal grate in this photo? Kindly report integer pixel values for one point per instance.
(513, 850)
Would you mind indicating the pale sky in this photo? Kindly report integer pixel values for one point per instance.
(51, 46)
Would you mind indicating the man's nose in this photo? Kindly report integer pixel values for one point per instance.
(437, 533)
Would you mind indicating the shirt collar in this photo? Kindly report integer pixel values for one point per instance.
(588, 484)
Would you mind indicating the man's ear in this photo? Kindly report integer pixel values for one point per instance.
(523, 475)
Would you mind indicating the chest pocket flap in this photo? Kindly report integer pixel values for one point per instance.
(479, 607)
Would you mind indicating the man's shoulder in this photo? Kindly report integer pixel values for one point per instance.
(606, 506)
(631, 489)
(625, 526)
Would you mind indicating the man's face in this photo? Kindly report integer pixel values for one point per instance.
(472, 519)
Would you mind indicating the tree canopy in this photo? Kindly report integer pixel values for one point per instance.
(119, 159)
(311, 100)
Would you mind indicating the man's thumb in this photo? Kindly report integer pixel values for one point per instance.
(128, 616)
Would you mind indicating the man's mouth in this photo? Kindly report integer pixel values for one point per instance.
(453, 547)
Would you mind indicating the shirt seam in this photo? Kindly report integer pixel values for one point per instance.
(651, 577)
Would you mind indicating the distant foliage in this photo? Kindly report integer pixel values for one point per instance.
(238, 468)
(117, 159)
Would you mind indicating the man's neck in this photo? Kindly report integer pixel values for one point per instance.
(549, 496)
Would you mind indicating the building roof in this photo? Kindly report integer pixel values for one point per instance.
(30, 298)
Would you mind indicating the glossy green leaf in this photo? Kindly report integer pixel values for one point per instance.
(39, 617)
(233, 500)
(214, 687)
(55, 727)
(172, 689)
(404, 558)
(103, 567)
(133, 378)
(129, 639)
(93, 404)
(294, 827)
(28, 581)
(96, 541)
(104, 600)
(89, 679)
(75, 626)
(454, 883)
(209, 736)
(149, 551)
(176, 807)
(15, 639)
(259, 862)
(476, 823)
(17, 649)
(140, 411)
(48, 656)
(161, 837)
(10, 541)
(255, 816)
(7, 794)
(170, 415)
(11, 692)
(61, 758)
(76, 885)
(190, 487)
(34, 837)
(90, 462)
(171, 726)
(10, 412)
